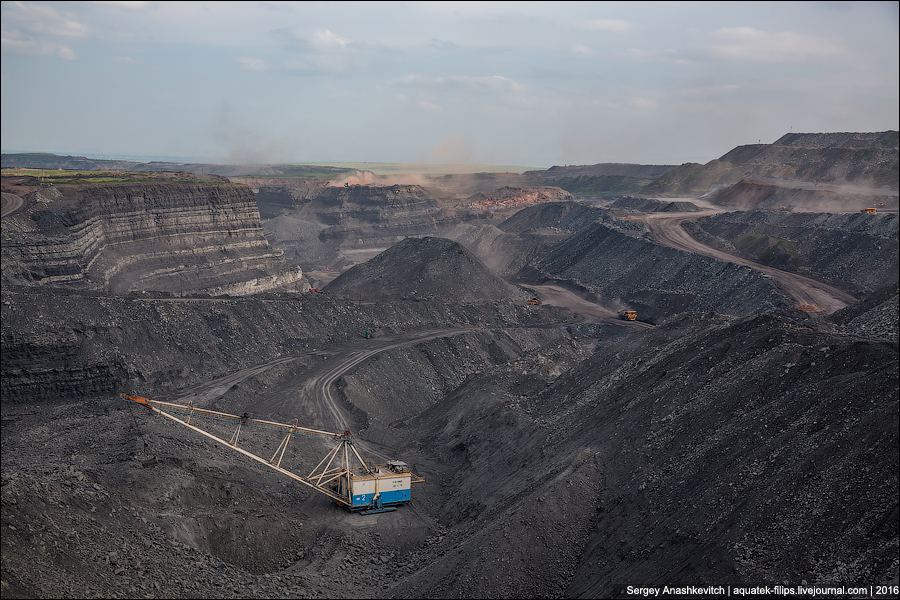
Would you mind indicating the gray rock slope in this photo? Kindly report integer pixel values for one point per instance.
(742, 451)
(157, 236)
(71, 345)
(865, 159)
(425, 268)
(719, 451)
(510, 246)
(858, 252)
(618, 262)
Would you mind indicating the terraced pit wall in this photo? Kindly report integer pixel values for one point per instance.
(159, 236)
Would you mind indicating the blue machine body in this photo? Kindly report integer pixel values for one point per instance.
(377, 488)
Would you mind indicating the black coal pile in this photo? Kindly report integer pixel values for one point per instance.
(564, 216)
(732, 443)
(856, 251)
(716, 450)
(653, 205)
(425, 269)
(616, 260)
(873, 317)
(66, 345)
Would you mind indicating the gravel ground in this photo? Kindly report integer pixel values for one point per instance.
(732, 443)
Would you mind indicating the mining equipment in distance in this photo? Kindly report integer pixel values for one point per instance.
(628, 315)
(343, 475)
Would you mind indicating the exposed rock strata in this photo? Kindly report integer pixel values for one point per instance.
(513, 197)
(323, 225)
(110, 344)
(162, 236)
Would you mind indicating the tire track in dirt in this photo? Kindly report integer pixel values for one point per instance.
(10, 204)
(316, 387)
(319, 387)
(203, 394)
(554, 295)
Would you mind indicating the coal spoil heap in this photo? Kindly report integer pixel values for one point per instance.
(616, 260)
(836, 158)
(424, 269)
(734, 434)
(718, 449)
(652, 205)
(565, 216)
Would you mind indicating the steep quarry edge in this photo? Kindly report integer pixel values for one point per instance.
(59, 346)
(617, 262)
(173, 237)
(854, 251)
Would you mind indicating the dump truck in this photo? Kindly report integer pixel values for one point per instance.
(628, 315)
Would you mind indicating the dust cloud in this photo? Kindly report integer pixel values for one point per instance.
(370, 179)
(454, 149)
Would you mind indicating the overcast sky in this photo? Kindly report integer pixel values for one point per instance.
(531, 84)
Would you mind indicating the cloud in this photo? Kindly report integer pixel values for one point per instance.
(581, 50)
(490, 82)
(608, 25)
(749, 44)
(325, 39)
(19, 46)
(35, 29)
(124, 4)
(322, 52)
(36, 20)
(429, 106)
(252, 64)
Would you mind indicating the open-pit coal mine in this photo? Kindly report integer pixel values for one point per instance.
(191, 364)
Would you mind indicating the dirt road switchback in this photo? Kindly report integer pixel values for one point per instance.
(810, 295)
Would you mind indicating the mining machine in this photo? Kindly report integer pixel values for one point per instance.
(628, 315)
(343, 475)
